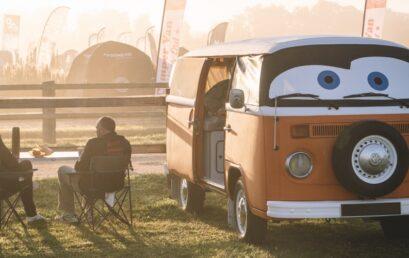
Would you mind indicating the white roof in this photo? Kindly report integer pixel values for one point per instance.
(260, 46)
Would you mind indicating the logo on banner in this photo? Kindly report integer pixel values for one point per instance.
(11, 24)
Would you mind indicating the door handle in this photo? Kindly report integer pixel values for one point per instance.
(227, 128)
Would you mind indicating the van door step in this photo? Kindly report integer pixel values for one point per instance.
(214, 184)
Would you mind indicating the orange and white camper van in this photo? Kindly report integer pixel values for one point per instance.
(293, 128)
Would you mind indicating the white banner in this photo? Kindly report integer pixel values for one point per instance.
(374, 18)
(170, 38)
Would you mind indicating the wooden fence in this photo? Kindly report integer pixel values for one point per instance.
(49, 102)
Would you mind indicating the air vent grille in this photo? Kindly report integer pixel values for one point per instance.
(333, 130)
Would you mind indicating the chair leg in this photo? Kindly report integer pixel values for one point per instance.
(116, 214)
(13, 210)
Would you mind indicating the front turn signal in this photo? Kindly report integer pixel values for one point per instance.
(300, 131)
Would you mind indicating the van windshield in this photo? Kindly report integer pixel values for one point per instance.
(334, 71)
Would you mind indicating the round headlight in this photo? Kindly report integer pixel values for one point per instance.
(299, 164)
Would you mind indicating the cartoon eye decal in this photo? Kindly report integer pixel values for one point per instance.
(329, 80)
(378, 81)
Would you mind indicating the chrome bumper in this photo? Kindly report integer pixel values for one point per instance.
(333, 209)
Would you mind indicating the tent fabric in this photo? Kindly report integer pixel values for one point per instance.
(111, 62)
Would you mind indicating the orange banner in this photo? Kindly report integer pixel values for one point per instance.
(371, 4)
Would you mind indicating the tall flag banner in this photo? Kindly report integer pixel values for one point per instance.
(53, 27)
(374, 18)
(11, 33)
(218, 34)
(169, 42)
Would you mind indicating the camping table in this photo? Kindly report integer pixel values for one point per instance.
(58, 155)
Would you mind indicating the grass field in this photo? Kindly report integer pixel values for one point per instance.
(162, 230)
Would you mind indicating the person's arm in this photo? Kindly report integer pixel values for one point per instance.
(8, 161)
(83, 162)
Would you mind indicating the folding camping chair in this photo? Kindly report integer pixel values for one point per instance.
(11, 197)
(107, 174)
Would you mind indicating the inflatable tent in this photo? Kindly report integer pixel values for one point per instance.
(111, 62)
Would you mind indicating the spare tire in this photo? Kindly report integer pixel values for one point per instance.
(370, 158)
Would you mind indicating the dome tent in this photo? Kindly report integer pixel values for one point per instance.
(111, 62)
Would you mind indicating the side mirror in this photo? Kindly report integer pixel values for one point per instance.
(236, 98)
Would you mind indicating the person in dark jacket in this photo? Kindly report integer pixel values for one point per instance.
(8, 163)
(107, 142)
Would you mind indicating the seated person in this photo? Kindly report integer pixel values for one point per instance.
(8, 163)
(215, 101)
(107, 142)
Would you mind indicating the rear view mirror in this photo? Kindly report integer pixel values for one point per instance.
(236, 98)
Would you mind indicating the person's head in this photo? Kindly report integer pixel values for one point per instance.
(105, 125)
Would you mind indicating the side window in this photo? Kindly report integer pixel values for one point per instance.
(185, 77)
(247, 78)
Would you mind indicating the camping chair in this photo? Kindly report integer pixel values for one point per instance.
(107, 174)
(11, 198)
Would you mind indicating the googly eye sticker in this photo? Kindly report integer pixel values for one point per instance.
(329, 80)
(378, 81)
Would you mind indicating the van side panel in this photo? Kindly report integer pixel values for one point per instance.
(179, 140)
(245, 147)
(322, 183)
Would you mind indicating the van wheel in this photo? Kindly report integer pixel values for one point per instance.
(249, 227)
(190, 196)
(395, 227)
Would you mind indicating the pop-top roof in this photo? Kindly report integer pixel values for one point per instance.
(260, 46)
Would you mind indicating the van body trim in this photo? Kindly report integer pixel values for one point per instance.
(180, 100)
(318, 111)
(326, 209)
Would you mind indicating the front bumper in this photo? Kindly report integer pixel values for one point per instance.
(337, 209)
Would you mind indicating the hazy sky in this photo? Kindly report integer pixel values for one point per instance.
(34, 13)
(135, 8)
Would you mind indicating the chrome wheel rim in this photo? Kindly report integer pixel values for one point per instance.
(183, 192)
(241, 212)
(374, 159)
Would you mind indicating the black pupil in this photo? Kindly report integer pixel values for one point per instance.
(377, 80)
(328, 79)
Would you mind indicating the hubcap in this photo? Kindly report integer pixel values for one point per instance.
(241, 212)
(374, 159)
(183, 192)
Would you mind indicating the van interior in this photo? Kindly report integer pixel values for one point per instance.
(216, 95)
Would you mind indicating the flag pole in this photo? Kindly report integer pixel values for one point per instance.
(160, 39)
(363, 23)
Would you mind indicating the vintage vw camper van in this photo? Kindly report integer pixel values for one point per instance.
(293, 128)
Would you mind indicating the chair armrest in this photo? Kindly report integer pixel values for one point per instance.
(16, 174)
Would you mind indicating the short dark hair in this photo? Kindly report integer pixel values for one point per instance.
(107, 123)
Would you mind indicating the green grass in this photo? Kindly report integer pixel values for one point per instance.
(163, 230)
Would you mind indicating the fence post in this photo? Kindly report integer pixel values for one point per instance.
(49, 123)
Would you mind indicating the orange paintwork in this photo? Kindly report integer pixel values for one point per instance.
(322, 183)
(180, 138)
(244, 146)
(250, 146)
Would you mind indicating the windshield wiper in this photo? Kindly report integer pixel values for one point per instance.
(304, 95)
(374, 94)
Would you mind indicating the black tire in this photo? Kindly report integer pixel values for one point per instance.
(256, 228)
(193, 199)
(343, 164)
(395, 227)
